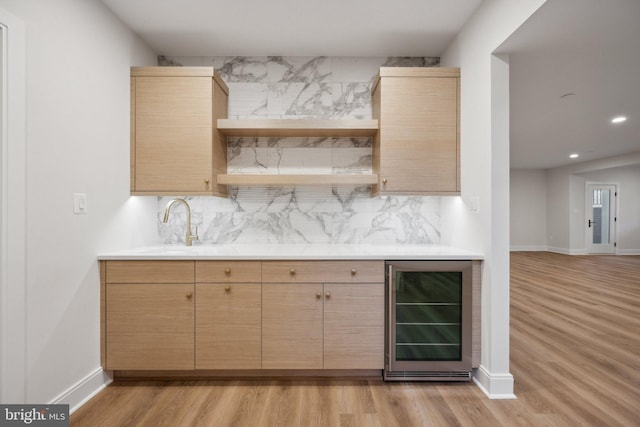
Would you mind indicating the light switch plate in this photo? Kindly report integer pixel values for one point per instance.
(80, 203)
(474, 205)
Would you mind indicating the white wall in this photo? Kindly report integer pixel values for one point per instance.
(484, 173)
(528, 209)
(566, 207)
(78, 58)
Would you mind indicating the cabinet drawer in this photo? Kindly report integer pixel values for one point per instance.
(150, 272)
(323, 271)
(228, 271)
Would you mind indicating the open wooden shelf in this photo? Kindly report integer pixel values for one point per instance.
(299, 128)
(304, 179)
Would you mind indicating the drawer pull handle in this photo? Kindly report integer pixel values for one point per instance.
(292, 272)
(189, 295)
(384, 181)
(318, 295)
(328, 295)
(227, 271)
(354, 272)
(227, 288)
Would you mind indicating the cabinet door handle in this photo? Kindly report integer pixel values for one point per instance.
(384, 181)
(206, 181)
(227, 288)
(327, 295)
(189, 295)
(318, 295)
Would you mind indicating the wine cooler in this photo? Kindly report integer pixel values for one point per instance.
(428, 330)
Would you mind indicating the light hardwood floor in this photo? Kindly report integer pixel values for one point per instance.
(575, 355)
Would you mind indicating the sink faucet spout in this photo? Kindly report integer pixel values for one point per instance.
(189, 238)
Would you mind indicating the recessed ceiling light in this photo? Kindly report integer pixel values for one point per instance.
(573, 156)
(618, 119)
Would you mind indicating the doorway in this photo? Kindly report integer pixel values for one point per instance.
(600, 221)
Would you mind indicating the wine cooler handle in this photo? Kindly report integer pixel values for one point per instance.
(389, 320)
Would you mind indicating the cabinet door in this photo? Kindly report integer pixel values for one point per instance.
(292, 326)
(149, 326)
(228, 332)
(418, 138)
(354, 326)
(173, 135)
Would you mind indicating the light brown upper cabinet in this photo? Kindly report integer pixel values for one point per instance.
(417, 148)
(175, 146)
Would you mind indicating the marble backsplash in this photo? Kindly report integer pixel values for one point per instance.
(301, 87)
(305, 215)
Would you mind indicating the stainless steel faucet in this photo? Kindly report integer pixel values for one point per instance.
(189, 238)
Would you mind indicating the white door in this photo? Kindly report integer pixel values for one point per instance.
(600, 219)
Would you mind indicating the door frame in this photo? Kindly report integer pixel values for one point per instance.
(613, 209)
(13, 278)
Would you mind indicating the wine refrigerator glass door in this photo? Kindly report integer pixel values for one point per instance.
(429, 325)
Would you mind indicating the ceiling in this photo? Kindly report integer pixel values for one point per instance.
(582, 47)
(295, 27)
(587, 48)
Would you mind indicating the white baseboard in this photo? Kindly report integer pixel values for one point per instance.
(80, 393)
(567, 251)
(628, 251)
(495, 386)
(528, 248)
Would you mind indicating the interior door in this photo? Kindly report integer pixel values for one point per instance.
(600, 204)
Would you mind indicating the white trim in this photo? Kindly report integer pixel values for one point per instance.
(567, 251)
(525, 248)
(495, 386)
(80, 393)
(495, 290)
(13, 204)
(557, 250)
(628, 252)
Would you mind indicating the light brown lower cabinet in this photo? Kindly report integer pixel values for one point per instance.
(292, 326)
(316, 326)
(228, 314)
(147, 313)
(149, 326)
(354, 326)
(228, 325)
(225, 315)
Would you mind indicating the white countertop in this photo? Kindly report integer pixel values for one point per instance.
(293, 252)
